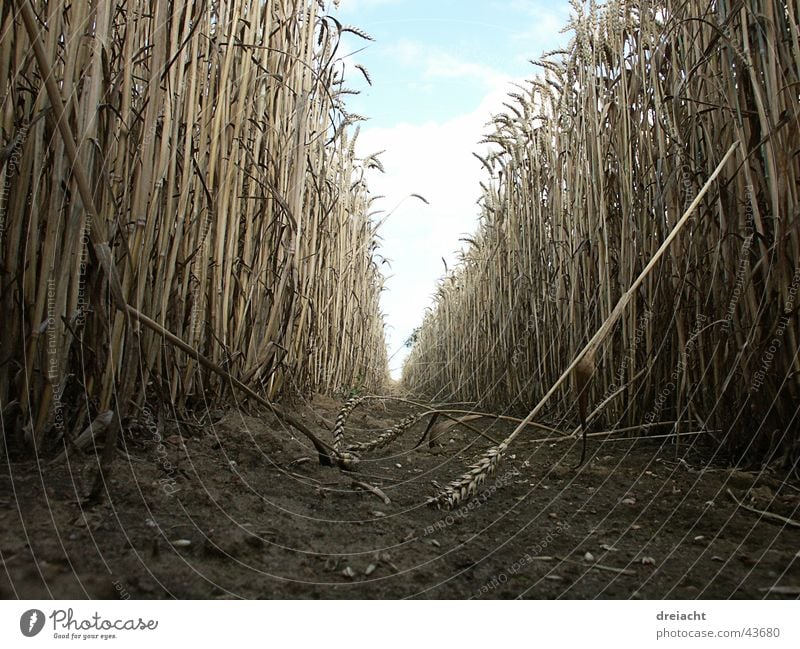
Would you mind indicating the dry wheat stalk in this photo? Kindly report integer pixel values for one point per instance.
(469, 482)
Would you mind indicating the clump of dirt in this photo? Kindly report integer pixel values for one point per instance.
(236, 505)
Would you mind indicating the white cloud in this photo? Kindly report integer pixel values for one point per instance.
(436, 161)
(444, 65)
(437, 63)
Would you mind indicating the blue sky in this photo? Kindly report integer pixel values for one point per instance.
(439, 69)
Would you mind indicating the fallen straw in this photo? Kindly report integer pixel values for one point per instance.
(465, 486)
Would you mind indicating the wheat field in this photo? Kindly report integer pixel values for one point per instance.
(591, 167)
(214, 161)
(184, 218)
(195, 397)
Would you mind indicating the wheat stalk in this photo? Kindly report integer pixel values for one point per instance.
(468, 484)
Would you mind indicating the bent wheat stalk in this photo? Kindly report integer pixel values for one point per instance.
(463, 488)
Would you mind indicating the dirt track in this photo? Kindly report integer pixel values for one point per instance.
(234, 510)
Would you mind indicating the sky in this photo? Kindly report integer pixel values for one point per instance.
(439, 69)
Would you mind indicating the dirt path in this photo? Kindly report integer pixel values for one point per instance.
(240, 509)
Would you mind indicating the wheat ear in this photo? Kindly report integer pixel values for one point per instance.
(341, 420)
(389, 436)
(467, 485)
